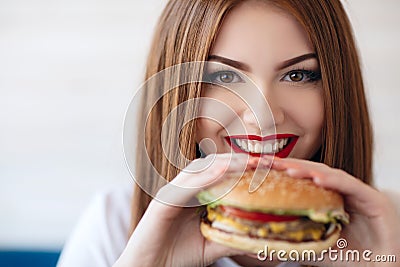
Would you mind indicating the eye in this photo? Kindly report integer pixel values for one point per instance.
(296, 76)
(225, 77)
(301, 76)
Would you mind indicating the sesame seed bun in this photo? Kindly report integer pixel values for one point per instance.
(278, 193)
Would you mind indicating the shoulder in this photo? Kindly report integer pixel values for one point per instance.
(115, 201)
(102, 232)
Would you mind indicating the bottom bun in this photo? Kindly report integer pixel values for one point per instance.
(254, 245)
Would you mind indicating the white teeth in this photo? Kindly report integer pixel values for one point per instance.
(266, 147)
(275, 147)
(281, 144)
(244, 145)
(250, 147)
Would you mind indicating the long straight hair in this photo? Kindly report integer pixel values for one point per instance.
(186, 32)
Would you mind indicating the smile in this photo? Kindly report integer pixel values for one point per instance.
(280, 144)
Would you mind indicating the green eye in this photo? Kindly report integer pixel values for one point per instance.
(226, 77)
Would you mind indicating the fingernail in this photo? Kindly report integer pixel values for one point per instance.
(290, 171)
(267, 162)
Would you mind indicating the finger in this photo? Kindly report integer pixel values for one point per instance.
(200, 175)
(212, 168)
(272, 161)
(214, 251)
(287, 163)
(358, 195)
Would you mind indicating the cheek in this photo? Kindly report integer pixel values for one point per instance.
(209, 136)
(218, 109)
(307, 110)
(205, 128)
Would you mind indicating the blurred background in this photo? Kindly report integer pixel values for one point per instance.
(68, 70)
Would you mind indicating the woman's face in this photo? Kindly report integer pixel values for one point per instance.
(260, 43)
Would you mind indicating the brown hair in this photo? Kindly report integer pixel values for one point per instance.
(186, 32)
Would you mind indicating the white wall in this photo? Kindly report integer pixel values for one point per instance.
(376, 27)
(67, 72)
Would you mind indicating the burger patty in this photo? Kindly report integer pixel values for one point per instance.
(299, 230)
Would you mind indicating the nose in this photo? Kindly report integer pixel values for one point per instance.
(263, 113)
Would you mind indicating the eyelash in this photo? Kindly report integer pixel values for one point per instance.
(309, 76)
(217, 74)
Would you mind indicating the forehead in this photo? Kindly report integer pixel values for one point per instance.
(256, 32)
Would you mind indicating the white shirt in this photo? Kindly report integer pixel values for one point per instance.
(102, 233)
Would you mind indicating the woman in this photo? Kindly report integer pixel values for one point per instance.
(301, 55)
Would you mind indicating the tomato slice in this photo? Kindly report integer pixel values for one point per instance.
(258, 216)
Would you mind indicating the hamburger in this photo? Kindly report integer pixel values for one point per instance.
(283, 213)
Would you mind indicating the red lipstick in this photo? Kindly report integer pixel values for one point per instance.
(283, 153)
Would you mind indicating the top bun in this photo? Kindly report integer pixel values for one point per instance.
(278, 192)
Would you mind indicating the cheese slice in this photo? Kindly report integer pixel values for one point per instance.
(230, 225)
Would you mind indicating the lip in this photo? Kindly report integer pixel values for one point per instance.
(281, 154)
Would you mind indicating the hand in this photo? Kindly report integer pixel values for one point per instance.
(374, 222)
(170, 235)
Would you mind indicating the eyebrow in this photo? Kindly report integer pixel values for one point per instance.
(233, 63)
(295, 60)
(245, 67)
